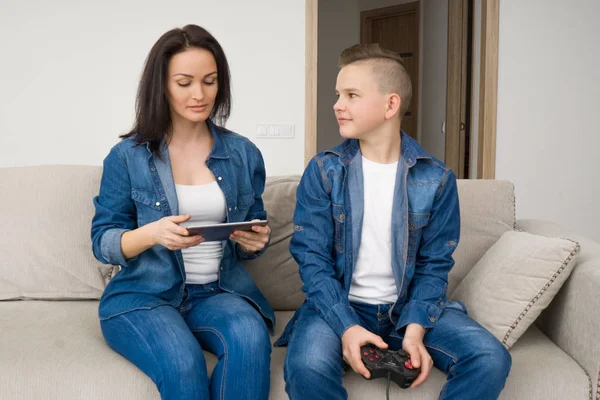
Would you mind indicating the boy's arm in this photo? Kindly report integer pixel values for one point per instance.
(427, 290)
(312, 248)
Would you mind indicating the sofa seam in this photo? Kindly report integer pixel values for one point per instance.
(597, 386)
(542, 291)
(514, 206)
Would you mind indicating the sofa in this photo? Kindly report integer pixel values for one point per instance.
(51, 346)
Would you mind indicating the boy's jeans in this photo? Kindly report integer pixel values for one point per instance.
(166, 344)
(475, 362)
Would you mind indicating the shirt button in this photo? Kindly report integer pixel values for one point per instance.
(157, 203)
(219, 178)
(441, 303)
(229, 208)
(342, 216)
(152, 169)
(432, 319)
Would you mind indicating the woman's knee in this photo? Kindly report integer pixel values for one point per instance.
(247, 332)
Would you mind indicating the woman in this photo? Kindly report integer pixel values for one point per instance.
(176, 294)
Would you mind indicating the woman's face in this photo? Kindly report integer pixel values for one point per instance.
(192, 85)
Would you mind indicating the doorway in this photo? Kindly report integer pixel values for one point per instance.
(468, 127)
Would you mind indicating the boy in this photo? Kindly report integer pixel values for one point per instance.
(376, 223)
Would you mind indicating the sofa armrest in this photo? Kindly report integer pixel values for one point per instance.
(572, 320)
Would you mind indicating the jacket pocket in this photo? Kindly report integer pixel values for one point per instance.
(339, 217)
(416, 223)
(148, 206)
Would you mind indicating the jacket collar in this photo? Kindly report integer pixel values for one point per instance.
(411, 150)
(219, 149)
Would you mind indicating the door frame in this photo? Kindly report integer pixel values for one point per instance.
(488, 85)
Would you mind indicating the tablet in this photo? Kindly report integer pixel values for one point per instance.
(217, 232)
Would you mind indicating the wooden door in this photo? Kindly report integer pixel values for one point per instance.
(397, 28)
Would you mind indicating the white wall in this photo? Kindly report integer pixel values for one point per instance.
(434, 53)
(339, 28)
(70, 70)
(548, 98)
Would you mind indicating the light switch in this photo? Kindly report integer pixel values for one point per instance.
(275, 131)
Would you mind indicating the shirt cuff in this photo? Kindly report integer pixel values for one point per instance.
(419, 312)
(111, 247)
(341, 317)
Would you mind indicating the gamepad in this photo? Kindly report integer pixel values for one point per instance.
(394, 364)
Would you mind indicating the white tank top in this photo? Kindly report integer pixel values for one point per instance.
(206, 204)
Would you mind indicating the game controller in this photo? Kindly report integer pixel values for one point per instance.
(392, 364)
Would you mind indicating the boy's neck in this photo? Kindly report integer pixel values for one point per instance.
(383, 145)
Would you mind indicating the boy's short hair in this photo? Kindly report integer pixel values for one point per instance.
(388, 67)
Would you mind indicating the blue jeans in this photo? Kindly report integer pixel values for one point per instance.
(475, 362)
(166, 344)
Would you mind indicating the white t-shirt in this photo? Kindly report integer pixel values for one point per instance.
(206, 204)
(373, 280)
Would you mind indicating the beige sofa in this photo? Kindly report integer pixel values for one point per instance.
(51, 346)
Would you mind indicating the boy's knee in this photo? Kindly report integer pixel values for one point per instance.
(495, 361)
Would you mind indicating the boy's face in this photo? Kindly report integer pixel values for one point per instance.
(360, 108)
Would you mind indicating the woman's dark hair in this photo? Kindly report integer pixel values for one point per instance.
(153, 115)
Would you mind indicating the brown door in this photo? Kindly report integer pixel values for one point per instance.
(397, 28)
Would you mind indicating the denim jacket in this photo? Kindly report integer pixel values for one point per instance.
(137, 188)
(328, 225)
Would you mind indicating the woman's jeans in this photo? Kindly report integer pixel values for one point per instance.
(166, 344)
(475, 362)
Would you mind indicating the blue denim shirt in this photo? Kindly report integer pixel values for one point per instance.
(137, 188)
(328, 225)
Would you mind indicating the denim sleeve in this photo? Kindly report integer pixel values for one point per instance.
(312, 248)
(427, 289)
(115, 211)
(257, 210)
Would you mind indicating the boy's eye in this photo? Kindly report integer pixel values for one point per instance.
(351, 95)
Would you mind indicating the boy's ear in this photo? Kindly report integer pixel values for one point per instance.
(393, 105)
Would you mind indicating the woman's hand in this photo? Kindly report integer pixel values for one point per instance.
(252, 241)
(167, 232)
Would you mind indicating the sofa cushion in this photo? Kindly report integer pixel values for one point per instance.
(276, 272)
(487, 211)
(515, 281)
(54, 350)
(45, 233)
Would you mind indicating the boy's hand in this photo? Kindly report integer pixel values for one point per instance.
(419, 356)
(355, 337)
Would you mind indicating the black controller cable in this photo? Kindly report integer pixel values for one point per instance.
(387, 390)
